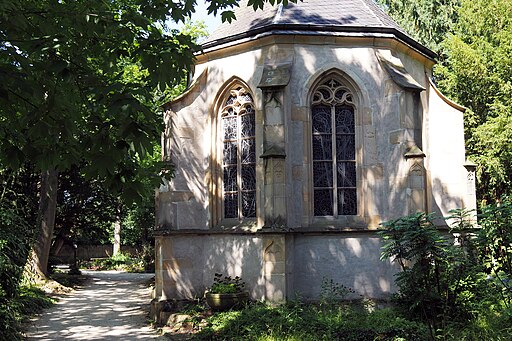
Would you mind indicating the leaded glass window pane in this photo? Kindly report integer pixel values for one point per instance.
(230, 179)
(323, 202)
(230, 153)
(231, 205)
(248, 123)
(248, 177)
(322, 147)
(339, 93)
(345, 120)
(239, 155)
(323, 174)
(345, 147)
(230, 127)
(346, 173)
(334, 150)
(249, 204)
(347, 201)
(248, 151)
(322, 119)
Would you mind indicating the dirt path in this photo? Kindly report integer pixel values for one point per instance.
(112, 306)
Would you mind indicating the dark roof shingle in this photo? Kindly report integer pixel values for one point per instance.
(310, 16)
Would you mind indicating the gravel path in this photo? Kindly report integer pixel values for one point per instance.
(112, 306)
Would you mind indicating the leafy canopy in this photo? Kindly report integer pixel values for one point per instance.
(78, 81)
(477, 72)
(428, 21)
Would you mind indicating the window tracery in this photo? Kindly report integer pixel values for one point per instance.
(334, 150)
(239, 155)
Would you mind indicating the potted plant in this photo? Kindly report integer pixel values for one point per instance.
(226, 293)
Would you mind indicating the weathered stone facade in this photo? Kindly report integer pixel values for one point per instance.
(408, 155)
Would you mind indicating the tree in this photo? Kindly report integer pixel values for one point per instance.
(477, 73)
(63, 97)
(428, 21)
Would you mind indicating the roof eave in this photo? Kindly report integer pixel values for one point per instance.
(311, 29)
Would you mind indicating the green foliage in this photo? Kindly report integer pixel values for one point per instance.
(143, 262)
(457, 281)
(440, 279)
(17, 215)
(195, 29)
(495, 247)
(475, 49)
(477, 73)
(310, 322)
(85, 210)
(64, 100)
(428, 21)
(78, 81)
(333, 292)
(226, 285)
(14, 250)
(28, 302)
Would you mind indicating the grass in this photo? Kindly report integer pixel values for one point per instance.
(31, 300)
(299, 321)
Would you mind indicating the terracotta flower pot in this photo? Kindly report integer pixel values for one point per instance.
(221, 302)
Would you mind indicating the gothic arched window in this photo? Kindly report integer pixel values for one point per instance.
(334, 150)
(239, 155)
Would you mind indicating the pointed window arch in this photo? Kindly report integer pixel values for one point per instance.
(238, 132)
(334, 149)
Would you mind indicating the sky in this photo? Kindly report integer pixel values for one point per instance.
(211, 21)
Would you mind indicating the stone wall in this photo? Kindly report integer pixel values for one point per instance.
(275, 266)
(87, 252)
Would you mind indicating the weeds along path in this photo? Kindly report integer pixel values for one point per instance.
(112, 306)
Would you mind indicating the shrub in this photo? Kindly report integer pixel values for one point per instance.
(440, 279)
(297, 321)
(15, 237)
(459, 281)
(495, 247)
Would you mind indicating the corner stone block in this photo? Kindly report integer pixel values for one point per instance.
(276, 288)
(274, 249)
(297, 172)
(280, 207)
(367, 116)
(274, 268)
(300, 114)
(417, 201)
(166, 247)
(396, 137)
(174, 266)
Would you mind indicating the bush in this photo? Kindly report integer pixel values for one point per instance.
(296, 321)
(15, 237)
(459, 281)
(495, 247)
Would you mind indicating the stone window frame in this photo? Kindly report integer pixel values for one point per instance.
(216, 162)
(341, 221)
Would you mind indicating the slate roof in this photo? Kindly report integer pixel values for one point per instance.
(313, 17)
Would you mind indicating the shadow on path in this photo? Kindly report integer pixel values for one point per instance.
(112, 306)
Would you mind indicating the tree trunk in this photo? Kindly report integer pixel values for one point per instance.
(117, 237)
(117, 231)
(46, 222)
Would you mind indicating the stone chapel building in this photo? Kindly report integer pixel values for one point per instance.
(303, 128)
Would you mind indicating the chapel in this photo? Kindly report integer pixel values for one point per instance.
(303, 128)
